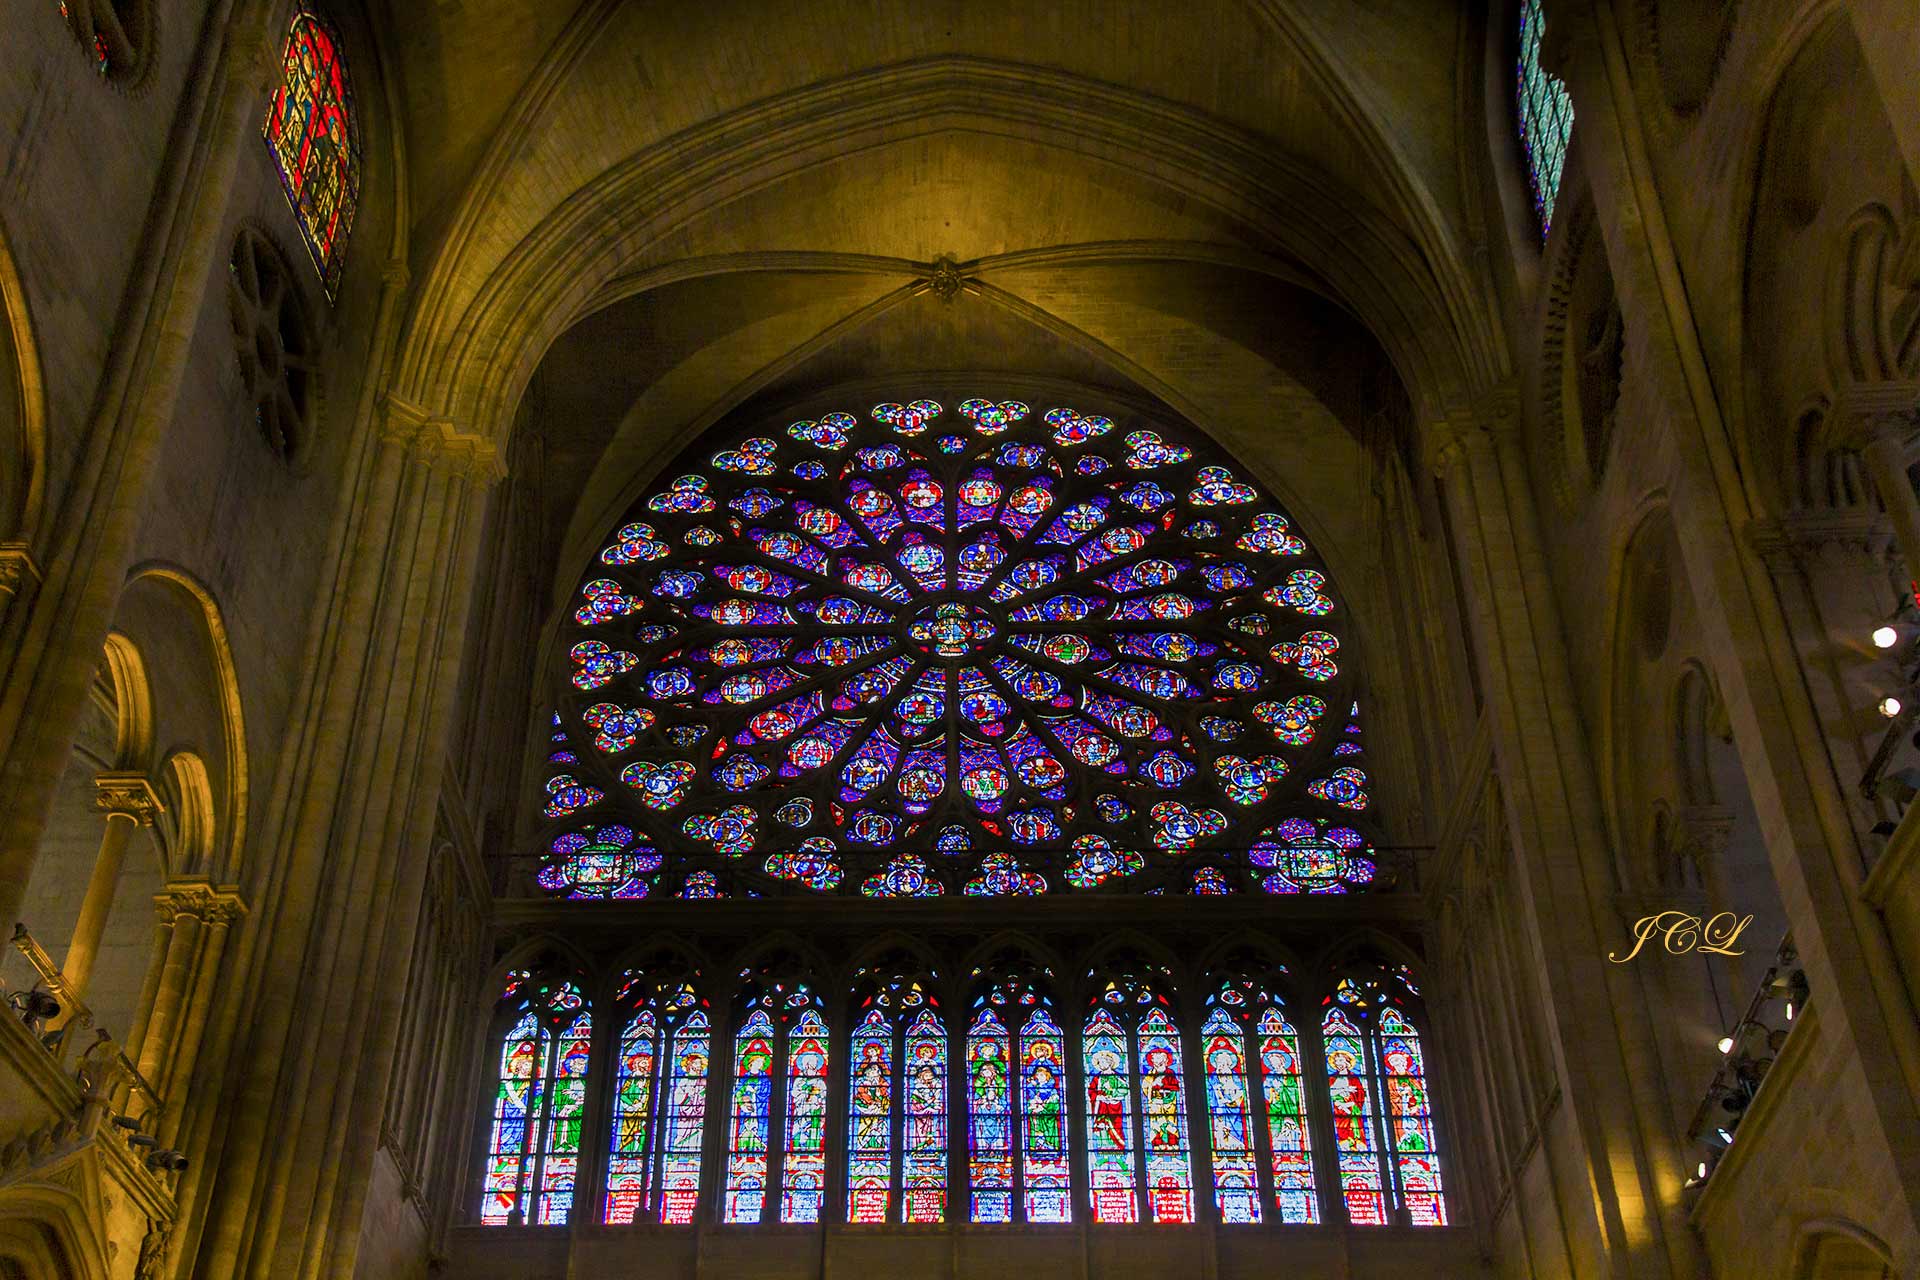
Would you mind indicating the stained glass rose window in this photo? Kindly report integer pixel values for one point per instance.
(982, 651)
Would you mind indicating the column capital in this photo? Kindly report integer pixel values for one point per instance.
(127, 794)
(201, 899)
(1865, 413)
(1800, 540)
(17, 569)
(439, 442)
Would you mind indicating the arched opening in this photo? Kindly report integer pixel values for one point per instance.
(1841, 1255)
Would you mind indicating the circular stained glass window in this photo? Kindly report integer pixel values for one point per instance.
(984, 650)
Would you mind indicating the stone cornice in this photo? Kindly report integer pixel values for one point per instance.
(439, 443)
(127, 794)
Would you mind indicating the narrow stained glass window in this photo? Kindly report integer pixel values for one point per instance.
(1286, 1116)
(1043, 1120)
(1417, 1166)
(1545, 115)
(989, 1119)
(870, 1120)
(633, 1089)
(533, 1153)
(1354, 1112)
(1110, 1164)
(315, 142)
(1236, 1170)
(804, 1172)
(749, 1119)
(924, 1157)
(1163, 1107)
(659, 1106)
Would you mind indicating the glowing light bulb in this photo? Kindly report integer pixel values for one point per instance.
(1789, 1011)
(1889, 707)
(1885, 637)
(1725, 1136)
(1701, 1172)
(1726, 1044)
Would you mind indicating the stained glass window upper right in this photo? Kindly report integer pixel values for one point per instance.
(1546, 115)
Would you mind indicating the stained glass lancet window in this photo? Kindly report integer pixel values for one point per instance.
(1256, 1103)
(1545, 115)
(533, 1151)
(1137, 1151)
(659, 1103)
(780, 1076)
(1016, 1104)
(986, 651)
(1382, 1114)
(315, 141)
(897, 1068)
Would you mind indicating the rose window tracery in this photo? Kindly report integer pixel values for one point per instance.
(980, 651)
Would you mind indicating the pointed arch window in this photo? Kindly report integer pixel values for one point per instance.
(533, 1154)
(1137, 1148)
(314, 137)
(1256, 1107)
(1382, 1113)
(1018, 1166)
(659, 1103)
(780, 1070)
(1545, 115)
(897, 1105)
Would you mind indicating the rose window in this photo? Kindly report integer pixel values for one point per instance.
(983, 651)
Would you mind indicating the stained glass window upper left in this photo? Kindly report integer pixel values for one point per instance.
(983, 651)
(311, 131)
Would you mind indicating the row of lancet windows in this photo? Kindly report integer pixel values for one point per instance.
(1013, 1110)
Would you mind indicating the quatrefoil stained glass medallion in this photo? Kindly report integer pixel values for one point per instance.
(984, 651)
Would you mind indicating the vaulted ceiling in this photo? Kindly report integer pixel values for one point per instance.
(657, 216)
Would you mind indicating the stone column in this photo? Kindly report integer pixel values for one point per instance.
(331, 955)
(192, 921)
(49, 648)
(128, 801)
(1885, 417)
(1597, 1023)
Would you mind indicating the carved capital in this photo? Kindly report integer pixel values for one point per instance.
(1704, 829)
(17, 569)
(200, 899)
(437, 442)
(1811, 541)
(128, 795)
(1867, 413)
